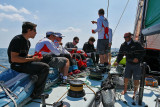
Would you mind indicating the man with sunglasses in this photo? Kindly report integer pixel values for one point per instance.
(51, 54)
(22, 62)
(65, 53)
(79, 55)
(134, 53)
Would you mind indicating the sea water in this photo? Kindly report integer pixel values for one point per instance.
(4, 57)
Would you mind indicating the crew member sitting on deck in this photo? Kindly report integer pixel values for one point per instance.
(51, 52)
(22, 62)
(80, 56)
(134, 53)
(89, 49)
(65, 53)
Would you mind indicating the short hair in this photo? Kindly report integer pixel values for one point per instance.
(75, 38)
(27, 25)
(101, 11)
(92, 39)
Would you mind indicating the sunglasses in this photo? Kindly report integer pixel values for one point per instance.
(126, 37)
(76, 42)
(34, 30)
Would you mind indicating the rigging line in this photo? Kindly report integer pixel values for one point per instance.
(107, 9)
(121, 17)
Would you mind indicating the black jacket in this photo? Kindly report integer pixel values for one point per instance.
(88, 48)
(131, 51)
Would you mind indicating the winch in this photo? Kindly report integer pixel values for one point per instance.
(76, 89)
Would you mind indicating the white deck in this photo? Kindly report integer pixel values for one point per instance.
(149, 96)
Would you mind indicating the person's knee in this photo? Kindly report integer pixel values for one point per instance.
(45, 67)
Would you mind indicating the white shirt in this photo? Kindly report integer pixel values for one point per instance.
(101, 20)
(62, 50)
(46, 46)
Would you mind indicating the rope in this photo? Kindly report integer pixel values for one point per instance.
(9, 95)
(3, 66)
(62, 96)
(90, 88)
(121, 17)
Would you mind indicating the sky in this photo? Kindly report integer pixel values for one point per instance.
(69, 17)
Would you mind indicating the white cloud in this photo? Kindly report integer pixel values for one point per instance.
(23, 10)
(10, 8)
(4, 30)
(35, 17)
(71, 29)
(13, 17)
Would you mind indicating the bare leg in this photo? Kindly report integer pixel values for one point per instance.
(109, 57)
(65, 69)
(105, 58)
(136, 84)
(125, 86)
(101, 59)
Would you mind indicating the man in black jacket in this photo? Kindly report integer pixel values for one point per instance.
(89, 49)
(134, 53)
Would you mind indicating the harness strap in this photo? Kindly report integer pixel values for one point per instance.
(6, 90)
(105, 31)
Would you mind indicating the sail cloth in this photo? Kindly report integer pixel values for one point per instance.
(153, 13)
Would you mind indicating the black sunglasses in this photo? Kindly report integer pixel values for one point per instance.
(126, 37)
(34, 30)
(76, 41)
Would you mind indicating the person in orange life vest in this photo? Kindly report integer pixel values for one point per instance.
(65, 53)
(134, 53)
(103, 37)
(89, 49)
(79, 55)
(50, 51)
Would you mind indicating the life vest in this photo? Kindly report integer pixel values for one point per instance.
(106, 30)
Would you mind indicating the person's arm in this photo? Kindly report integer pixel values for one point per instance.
(94, 22)
(51, 46)
(110, 37)
(99, 25)
(15, 58)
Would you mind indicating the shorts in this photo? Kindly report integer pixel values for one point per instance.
(102, 46)
(58, 62)
(133, 69)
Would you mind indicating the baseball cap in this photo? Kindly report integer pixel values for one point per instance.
(50, 33)
(59, 35)
(127, 34)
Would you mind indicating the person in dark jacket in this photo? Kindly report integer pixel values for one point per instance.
(89, 49)
(134, 53)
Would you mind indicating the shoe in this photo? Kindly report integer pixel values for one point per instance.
(33, 96)
(65, 81)
(76, 71)
(71, 73)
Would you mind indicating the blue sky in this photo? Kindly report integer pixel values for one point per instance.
(70, 17)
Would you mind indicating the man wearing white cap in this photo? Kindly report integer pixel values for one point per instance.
(50, 52)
